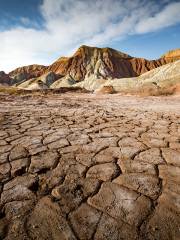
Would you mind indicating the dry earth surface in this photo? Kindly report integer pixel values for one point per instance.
(84, 166)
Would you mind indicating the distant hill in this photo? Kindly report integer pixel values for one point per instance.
(90, 65)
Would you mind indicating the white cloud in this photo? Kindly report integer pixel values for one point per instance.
(170, 15)
(70, 23)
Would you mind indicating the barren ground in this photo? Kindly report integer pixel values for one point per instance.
(82, 166)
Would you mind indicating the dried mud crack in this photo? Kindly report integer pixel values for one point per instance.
(81, 166)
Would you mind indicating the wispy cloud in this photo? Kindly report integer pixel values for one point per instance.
(169, 16)
(68, 24)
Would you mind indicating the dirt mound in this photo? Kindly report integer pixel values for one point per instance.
(105, 90)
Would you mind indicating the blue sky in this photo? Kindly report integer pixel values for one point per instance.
(40, 31)
(13, 11)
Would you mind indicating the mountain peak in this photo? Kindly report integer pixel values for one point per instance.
(111, 51)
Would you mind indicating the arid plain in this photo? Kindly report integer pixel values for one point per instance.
(87, 166)
(89, 120)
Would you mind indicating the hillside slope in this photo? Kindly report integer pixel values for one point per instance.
(164, 77)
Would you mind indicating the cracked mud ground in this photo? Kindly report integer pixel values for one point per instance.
(79, 166)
